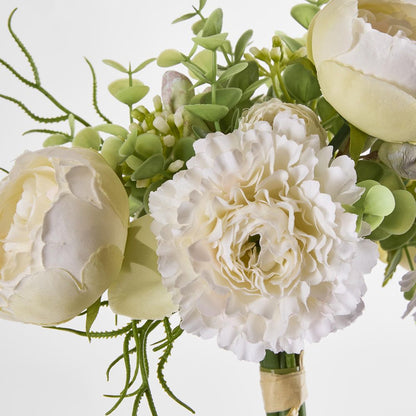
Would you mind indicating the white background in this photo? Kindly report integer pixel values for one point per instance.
(366, 369)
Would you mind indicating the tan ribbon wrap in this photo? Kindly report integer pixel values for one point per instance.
(283, 391)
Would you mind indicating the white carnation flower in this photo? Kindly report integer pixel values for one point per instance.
(253, 241)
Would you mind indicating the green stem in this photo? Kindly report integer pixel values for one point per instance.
(409, 259)
(130, 85)
(282, 363)
(214, 86)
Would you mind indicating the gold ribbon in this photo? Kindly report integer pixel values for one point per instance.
(284, 391)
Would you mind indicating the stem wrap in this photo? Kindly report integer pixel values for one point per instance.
(283, 391)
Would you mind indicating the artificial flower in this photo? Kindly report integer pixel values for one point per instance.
(138, 291)
(364, 54)
(63, 227)
(256, 247)
(268, 110)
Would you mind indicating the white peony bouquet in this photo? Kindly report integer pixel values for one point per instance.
(245, 203)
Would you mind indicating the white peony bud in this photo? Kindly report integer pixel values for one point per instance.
(289, 113)
(364, 54)
(63, 227)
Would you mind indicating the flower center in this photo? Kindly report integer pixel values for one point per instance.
(388, 19)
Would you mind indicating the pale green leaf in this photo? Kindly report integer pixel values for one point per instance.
(184, 17)
(304, 13)
(87, 138)
(113, 129)
(110, 151)
(148, 144)
(228, 97)
(184, 149)
(241, 45)
(132, 95)
(213, 24)
(211, 42)
(115, 65)
(233, 70)
(149, 167)
(301, 83)
(404, 214)
(143, 65)
(291, 43)
(92, 313)
(209, 112)
(56, 140)
(379, 201)
(170, 57)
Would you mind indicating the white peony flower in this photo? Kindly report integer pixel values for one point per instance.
(63, 227)
(268, 110)
(253, 241)
(138, 291)
(365, 53)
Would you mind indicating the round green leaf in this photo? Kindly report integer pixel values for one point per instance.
(373, 220)
(404, 214)
(87, 138)
(170, 57)
(132, 95)
(149, 167)
(301, 83)
(127, 148)
(204, 61)
(228, 97)
(209, 112)
(121, 84)
(112, 129)
(110, 151)
(304, 13)
(213, 24)
(184, 149)
(148, 144)
(379, 201)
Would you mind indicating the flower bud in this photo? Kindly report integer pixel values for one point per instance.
(176, 90)
(63, 227)
(364, 54)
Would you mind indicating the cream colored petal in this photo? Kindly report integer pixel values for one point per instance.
(138, 292)
(333, 30)
(391, 112)
(54, 295)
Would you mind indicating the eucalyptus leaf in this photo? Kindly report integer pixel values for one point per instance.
(301, 83)
(232, 70)
(110, 151)
(373, 221)
(291, 43)
(209, 112)
(241, 45)
(251, 89)
(228, 97)
(132, 95)
(304, 13)
(121, 84)
(184, 149)
(201, 65)
(143, 65)
(115, 65)
(202, 4)
(133, 162)
(397, 241)
(87, 138)
(198, 26)
(127, 148)
(211, 42)
(404, 214)
(56, 140)
(246, 77)
(379, 201)
(113, 129)
(148, 144)
(184, 17)
(149, 168)
(213, 24)
(170, 57)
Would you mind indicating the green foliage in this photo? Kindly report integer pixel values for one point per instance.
(304, 13)
(209, 112)
(87, 138)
